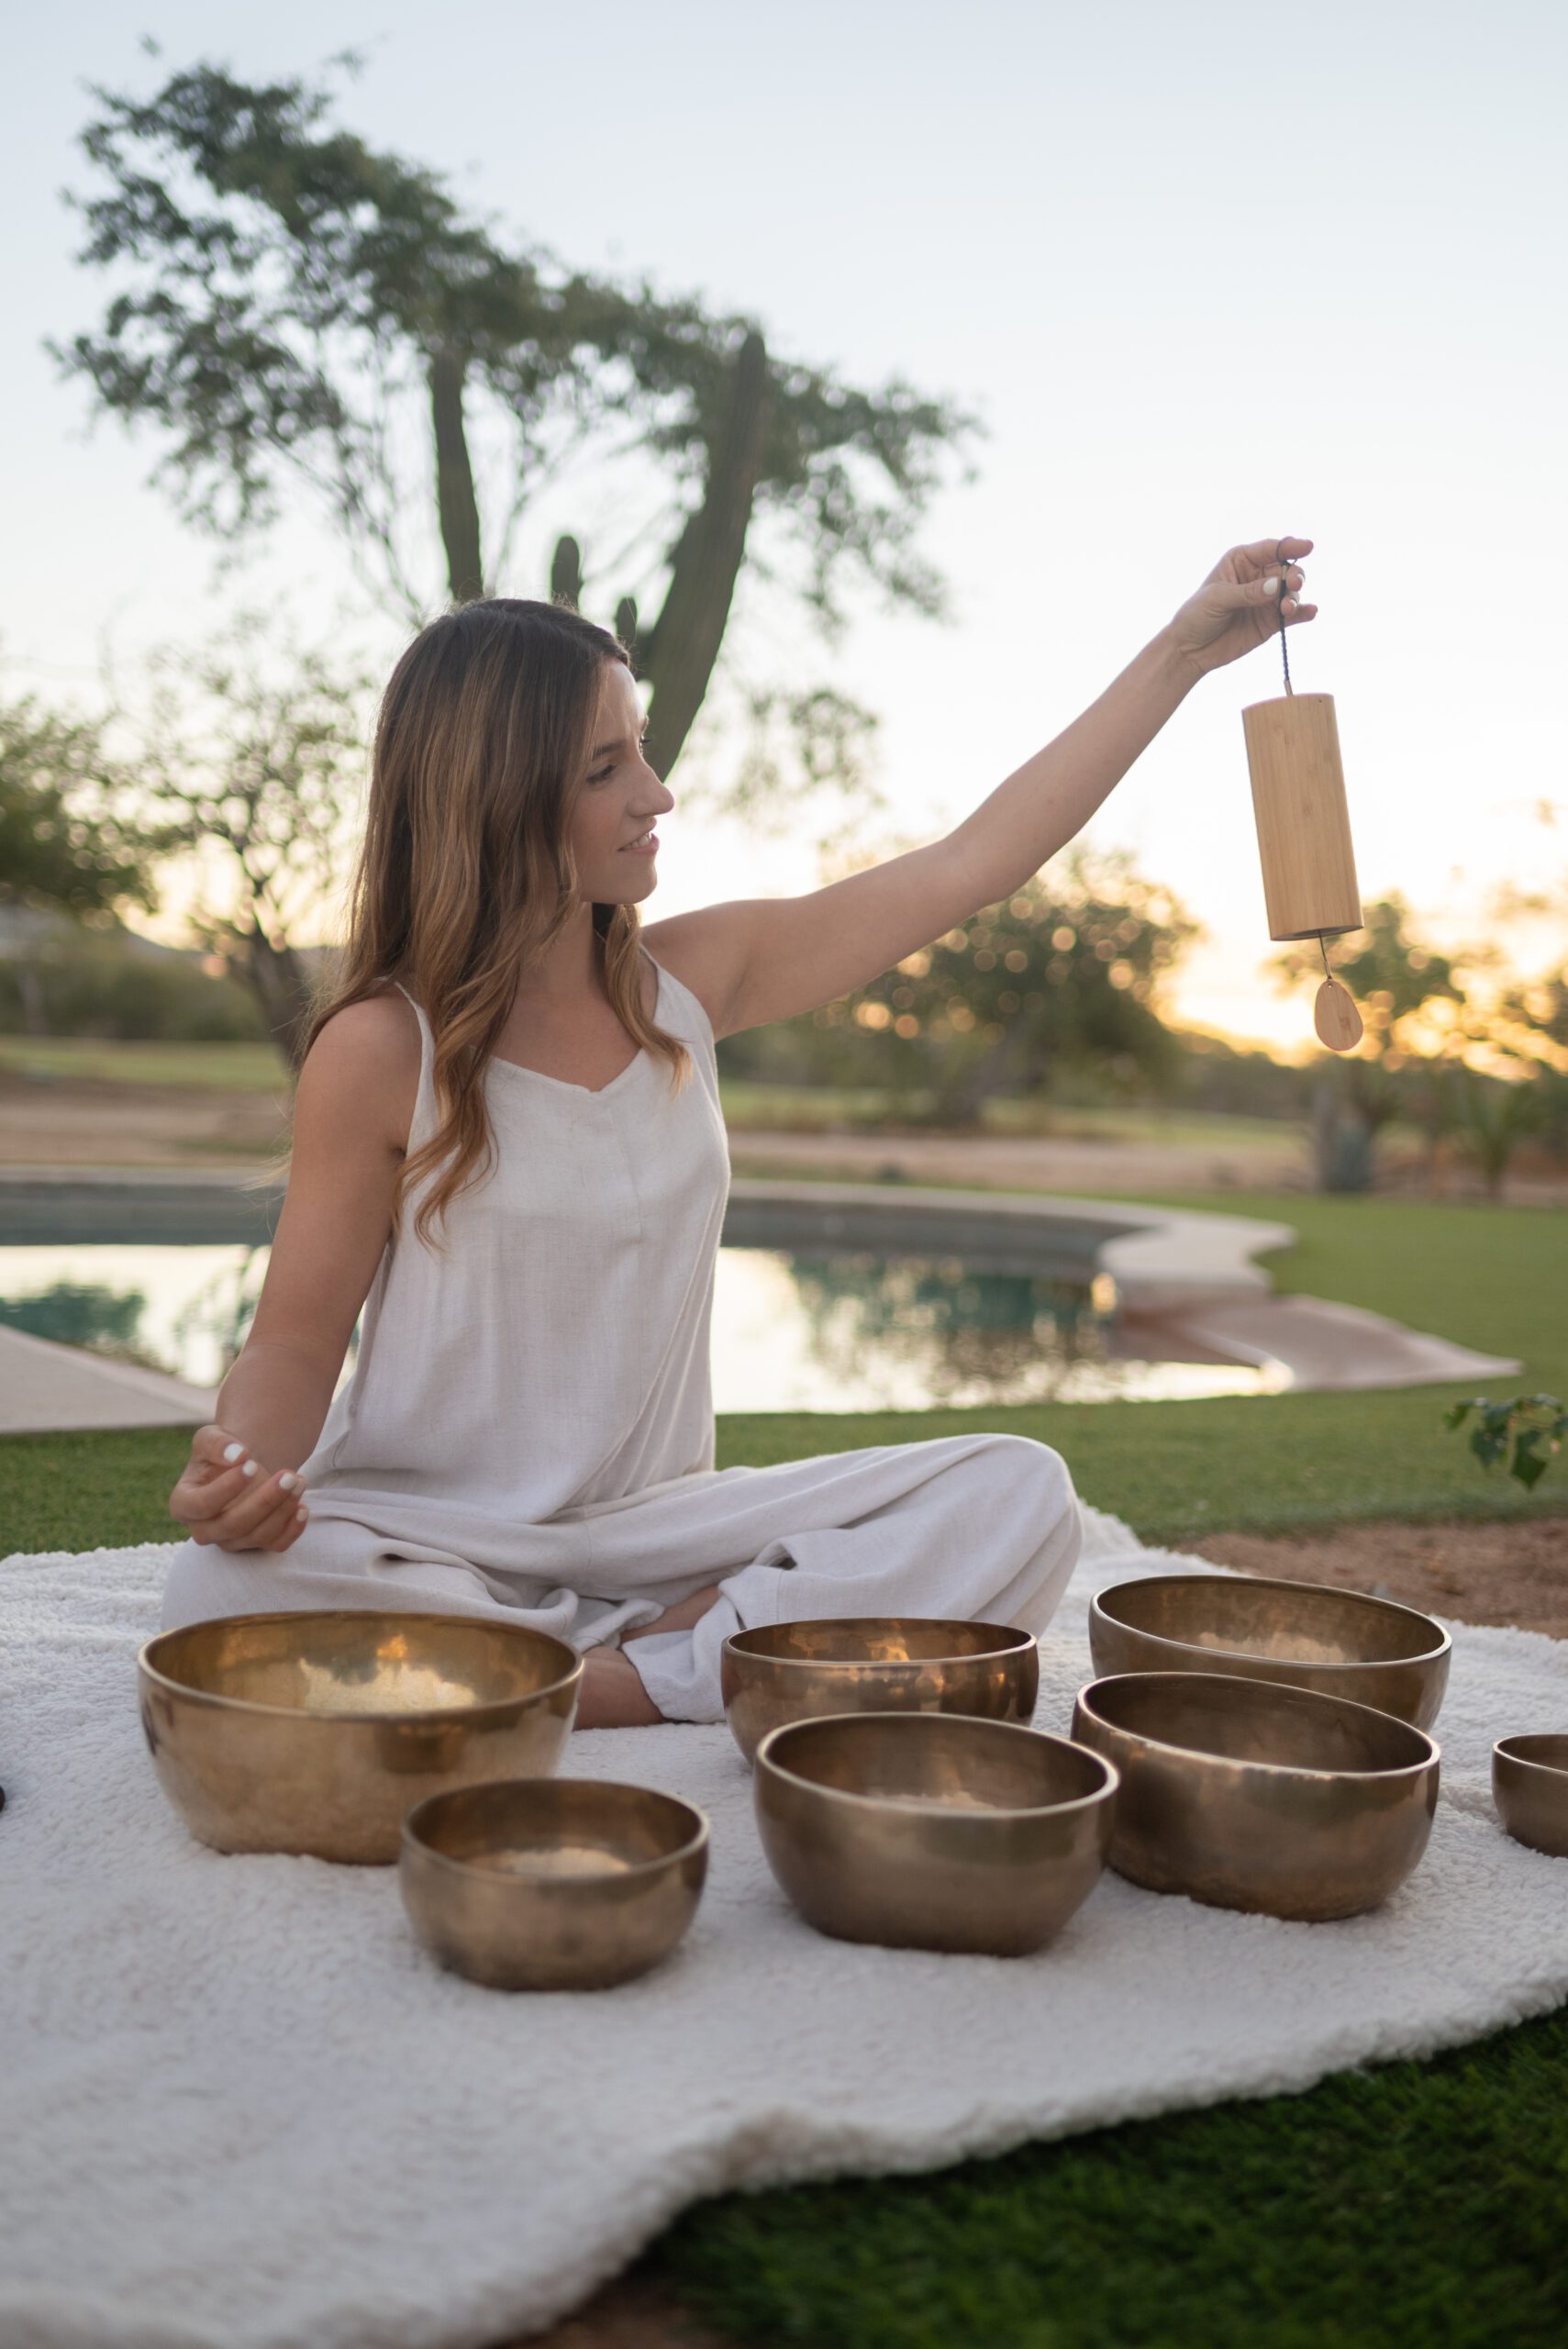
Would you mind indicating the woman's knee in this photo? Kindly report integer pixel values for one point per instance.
(1038, 1476)
(206, 1581)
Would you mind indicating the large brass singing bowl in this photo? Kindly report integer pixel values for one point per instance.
(552, 1884)
(316, 1731)
(1249, 1794)
(875, 1664)
(1307, 1634)
(929, 1831)
(1530, 1787)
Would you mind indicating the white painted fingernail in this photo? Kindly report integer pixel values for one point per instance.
(249, 1468)
(287, 1481)
(300, 1515)
(1271, 586)
(232, 1450)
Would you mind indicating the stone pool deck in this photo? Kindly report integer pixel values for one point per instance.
(1193, 1279)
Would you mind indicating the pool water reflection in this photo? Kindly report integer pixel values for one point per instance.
(792, 1329)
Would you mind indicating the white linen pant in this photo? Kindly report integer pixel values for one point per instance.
(984, 1527)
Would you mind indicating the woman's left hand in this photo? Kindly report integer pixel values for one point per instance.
(1239, 603)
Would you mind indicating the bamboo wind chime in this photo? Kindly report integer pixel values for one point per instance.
(1304, 833)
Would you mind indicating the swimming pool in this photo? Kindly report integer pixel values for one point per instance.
(812, 1328)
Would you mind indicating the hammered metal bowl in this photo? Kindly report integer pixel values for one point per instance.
(930, 1830)
(875, 1664)
(1530, 1787)
(1307, 1635)
(1249, 1794)
(552, 1884)
(316, 1732)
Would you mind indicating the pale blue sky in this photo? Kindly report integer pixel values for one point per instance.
(1209, 273)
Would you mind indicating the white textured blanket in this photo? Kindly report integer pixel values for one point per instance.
(244, 2110)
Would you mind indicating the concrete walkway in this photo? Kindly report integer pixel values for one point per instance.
(45, 1388)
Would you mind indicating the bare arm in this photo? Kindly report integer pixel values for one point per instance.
(352, 1111)
(767, 958)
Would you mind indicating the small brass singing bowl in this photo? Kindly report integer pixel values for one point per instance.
(1309, 1635)
(1530, 1787)
(552, 1884)
(1249, 1794)
(875, 1664)
(316, 1732)
(931, 1830)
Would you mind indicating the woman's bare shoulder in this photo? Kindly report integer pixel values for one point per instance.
(365, 1060)
(701, 950)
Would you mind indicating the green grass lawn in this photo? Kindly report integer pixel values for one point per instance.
(1415, 2207)
(197, 1068)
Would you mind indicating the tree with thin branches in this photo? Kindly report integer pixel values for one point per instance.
(290, 302)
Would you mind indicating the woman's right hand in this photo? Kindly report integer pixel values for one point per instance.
(225, 1495)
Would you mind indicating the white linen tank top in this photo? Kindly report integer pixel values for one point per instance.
(554, 1354)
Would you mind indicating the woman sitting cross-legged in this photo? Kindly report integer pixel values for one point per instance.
(508, 1150)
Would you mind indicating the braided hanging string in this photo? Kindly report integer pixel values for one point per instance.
(1284, 641)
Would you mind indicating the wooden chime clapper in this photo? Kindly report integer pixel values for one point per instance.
(1304, 833)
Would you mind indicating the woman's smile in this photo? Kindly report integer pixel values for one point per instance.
(645, 844)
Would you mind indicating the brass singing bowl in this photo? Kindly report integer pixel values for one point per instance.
(1307, 1635)
(1530, 1787)
(875, 1664)
(316, 1732)
(552, 1884)
(1249, 1794)
(931, 1830)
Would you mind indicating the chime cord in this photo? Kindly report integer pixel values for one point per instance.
(1283, 642)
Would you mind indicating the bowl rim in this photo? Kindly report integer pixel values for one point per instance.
(1017, 1643)
(433, 1713)
(1278, 1769)
(1274, 1582)
(1502, 1751)
(763, 1759)
(411, 1841)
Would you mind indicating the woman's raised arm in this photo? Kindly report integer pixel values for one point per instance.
(768, 958)
(352, 1111)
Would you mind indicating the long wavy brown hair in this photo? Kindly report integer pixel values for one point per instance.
(465, 877)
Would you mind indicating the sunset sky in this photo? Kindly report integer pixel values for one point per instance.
(1208, 274)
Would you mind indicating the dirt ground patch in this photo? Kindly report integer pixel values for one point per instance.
(631, 2313)
(66, 1122)
(79, 1124)
(1106, 1168)
(1508, 1573)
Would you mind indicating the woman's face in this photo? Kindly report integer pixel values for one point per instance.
(611, 824)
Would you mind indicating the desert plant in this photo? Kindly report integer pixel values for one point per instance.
(1534, 1424)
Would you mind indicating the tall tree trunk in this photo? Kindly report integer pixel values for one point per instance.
(677, 654)
(277, 978)
(455, 500)
(1004, 1066)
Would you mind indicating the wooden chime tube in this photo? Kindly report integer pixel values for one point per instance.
(1304, 825)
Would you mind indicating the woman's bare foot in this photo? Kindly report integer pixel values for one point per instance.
(613, 1696)
(679, 1618)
